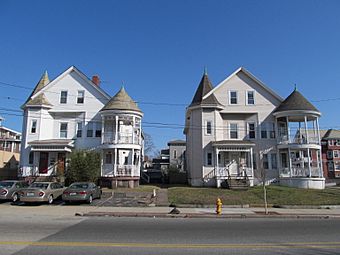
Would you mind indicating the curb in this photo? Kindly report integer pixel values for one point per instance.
(209, 216)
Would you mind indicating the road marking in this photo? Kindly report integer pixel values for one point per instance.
(302, 245)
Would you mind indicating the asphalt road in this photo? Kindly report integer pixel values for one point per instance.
(60, 235)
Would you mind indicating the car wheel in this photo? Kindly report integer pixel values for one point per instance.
(15, 198)
(90, 199)
(50, 199)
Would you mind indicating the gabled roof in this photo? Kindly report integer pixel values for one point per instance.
(121, 101)
(332, 134)
(177, 142)
(251, 76)
(296, 101)
(203, 89)
(42, 86)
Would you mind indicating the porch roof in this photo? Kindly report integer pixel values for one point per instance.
(52, 145)
(233, 145)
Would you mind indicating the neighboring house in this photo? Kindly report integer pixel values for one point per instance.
(162, 161)
(331, 153)
(73, 112)
(10, 141)
(241, 129)
(177, 154)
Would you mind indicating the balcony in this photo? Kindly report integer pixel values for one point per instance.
(293, 139)
(120, 138)
(300, 172)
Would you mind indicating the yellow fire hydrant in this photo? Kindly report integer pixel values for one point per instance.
(218, 206)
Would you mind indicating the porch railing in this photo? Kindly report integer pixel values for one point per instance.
(300, 172)
(285, 139)
(121, 170)
(122, 138)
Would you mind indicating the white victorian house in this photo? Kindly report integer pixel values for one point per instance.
(73, 112)
(241, 130)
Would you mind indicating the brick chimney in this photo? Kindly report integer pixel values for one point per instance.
(96, 80)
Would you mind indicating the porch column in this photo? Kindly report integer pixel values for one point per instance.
(288, 131)
(216, 168)
(309, 167)
(116, 129)
(115, 163)
(320, 164)
(318, 130)
(102, 164)
(290, 163)
(133, 129)
(133, 163)
(251, 162)
(217, 173)
(103, 134)
(314, 132)
(306, 131)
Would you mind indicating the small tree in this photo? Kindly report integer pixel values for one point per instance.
(83, 166)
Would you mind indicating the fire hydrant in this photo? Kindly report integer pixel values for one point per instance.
(218, 206)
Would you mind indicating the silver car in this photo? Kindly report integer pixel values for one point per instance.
(10, 189)
(82, 191)
(42, 192)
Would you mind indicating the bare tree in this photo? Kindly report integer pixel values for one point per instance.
(149, 146)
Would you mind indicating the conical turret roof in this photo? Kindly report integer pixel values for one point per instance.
(296, 101)
(204, 88)
(41, 99)
(121, 101)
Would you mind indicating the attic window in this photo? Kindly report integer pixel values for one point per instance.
(63, 97)
(80, 97)
(232, 97)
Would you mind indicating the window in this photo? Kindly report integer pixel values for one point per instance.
(284, 161)
(267, 130)
(79, 129)
(265, 161)
(31, 158)
(336, 154)
(208, 128)
(209, 159)
(175, 154)
(98, 129)
(108, 158)
(329, 154)
(232, 97)
(330, 166)
(63, 97)
(330, 142)
(337, 166)
(89, 129)
(34, 126)
(250, 98)
(63, 130)
(233, 131)
(251, 130)
(273, 160)
(80, 97)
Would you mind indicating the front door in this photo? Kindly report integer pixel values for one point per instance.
(43, 163)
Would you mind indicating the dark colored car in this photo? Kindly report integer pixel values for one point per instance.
(82, 191)
(41, 192)
(9, 190)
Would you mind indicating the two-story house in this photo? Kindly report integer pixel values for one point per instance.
(73, 112)
(331, 153)
(10, 141)
(241, 129)
(177, 154)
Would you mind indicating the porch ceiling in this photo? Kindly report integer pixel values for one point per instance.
(52, 145)
(233, 145)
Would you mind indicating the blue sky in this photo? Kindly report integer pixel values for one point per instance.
(159, 49)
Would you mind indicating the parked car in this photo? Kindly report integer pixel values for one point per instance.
(82, 191)
(42, 192)
(10, 189)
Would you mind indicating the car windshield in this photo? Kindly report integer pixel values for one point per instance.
(39, 185)
(79, 186)
(6, 184)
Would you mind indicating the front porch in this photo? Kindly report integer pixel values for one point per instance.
(234, 161)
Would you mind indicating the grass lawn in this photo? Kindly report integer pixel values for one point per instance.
(141, 188)
(276, 195)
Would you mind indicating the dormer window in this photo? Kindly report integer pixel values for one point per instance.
(63, 97)
(232, 97)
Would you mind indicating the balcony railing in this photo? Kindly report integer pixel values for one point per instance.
(285, 139)
(120, 170)
(300, 172)
(120, 138)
